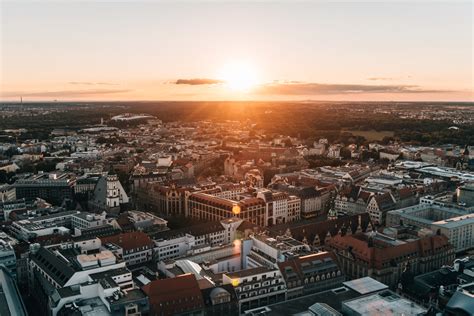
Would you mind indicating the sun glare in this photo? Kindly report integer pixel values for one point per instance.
(239, 76)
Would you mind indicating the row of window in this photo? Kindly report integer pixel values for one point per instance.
(261, 292)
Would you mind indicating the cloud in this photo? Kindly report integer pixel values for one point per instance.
(380, 79)
(302, 88)
(388, 78)
(63, 93)
(88, 83)
(198, 81)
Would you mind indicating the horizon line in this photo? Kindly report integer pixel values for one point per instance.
(253, 101)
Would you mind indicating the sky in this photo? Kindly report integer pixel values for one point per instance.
(243, 50)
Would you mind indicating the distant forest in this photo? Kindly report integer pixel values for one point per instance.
(307, 120)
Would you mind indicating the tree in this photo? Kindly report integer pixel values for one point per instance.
(346, 153)
(287, 142)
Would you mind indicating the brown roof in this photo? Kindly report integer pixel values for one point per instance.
(310, 229)
(378, 256)
(202, 197)
(174, 295)
(292, 269)
(405, 193)
(129, 241)
(384, 201)
(365, 196)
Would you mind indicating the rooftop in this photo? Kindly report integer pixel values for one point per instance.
(249, 272)
(129, 241)
(456, 221)
(383, 303)
(365, 285)
(332, 298)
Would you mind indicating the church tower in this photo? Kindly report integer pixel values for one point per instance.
(113, 191)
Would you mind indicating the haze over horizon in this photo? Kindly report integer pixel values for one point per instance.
(188, 51)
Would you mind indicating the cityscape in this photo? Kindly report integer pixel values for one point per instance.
(140, 190)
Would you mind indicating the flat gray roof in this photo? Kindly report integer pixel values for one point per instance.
(365, 285)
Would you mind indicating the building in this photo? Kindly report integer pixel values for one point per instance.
(313, 200)
(162, 199)
(447, 199)
(384, 258)
(144, 220)
(334, 151)
(294, 208)
(462, 301)
(68, 266)
(380, 204)
(109, 195)
(178, 243)
(133, 247)
(52, 189)
(229, 190)
(7, 193)
(8, 258)
(325, 303)
(280, 207)
(207, 207)
(103, 297)
(459, 230)
(53, 224)
(8, 166)
(220, 300)
(10, 296)
(256, 287)
(174, 296)
(465, 195)
(352, 200)
(382, 303)
(83, 220)
(454, 223)
(172, 245)
(61, 223)
(438, 286)
(316, 234)
(263, 250)
(7, 207)
(422, 215)
(254, 179)
(311, 274)
(65, 265)
(86, 185)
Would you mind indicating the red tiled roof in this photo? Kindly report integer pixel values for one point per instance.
(174, 295)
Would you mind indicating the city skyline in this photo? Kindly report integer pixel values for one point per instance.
(236, 51)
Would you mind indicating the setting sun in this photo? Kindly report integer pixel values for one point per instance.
(239, 76)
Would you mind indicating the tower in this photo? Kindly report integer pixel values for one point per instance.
(332, 214)
(113, 191)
